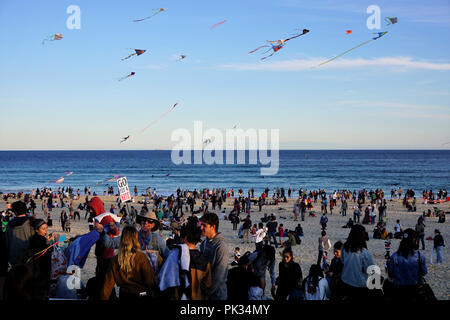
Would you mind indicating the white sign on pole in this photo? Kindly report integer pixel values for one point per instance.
(124, 191)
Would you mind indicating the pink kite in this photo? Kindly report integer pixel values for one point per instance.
(219, 23)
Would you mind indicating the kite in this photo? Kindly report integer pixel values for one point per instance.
(390, 21)
(68, 173)
(348, 31)
(159, 10)
(380, 34)
(181, 57)
(235, 126)
(137, 53)
(155, 121)
(56, 36)
(208, 141)
(78, 251)
(278, 44)
(219, 23)
(125, 138)
(127, 76)
(60, 180)
(114, 178)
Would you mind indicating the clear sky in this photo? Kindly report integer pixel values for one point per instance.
(391, 93)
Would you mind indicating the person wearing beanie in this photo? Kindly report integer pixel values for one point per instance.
(41, 254)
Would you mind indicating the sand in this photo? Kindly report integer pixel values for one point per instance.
(306, 254)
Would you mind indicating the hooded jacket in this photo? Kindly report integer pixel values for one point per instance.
(100, 250)
(18, 235)
(216, 252)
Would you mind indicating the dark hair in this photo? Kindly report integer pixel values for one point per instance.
(408, 243)
(356, 239)
(19, 208)
(324, 233)
(288, 250)
(237, 248)
(338, 245)
(269, 252)
(212, 219)
(192, 232)
(315, 272)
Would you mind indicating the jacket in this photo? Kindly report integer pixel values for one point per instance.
(18, 235)
(354, 272)
(406, 271)
(289, 274)
(216, 253)
(141, 278)
(201, 278)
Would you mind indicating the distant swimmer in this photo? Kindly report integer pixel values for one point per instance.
(124, 139)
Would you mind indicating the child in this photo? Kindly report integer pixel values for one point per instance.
(237, 255)
(253, 231)
(387, 245)
(281, 234)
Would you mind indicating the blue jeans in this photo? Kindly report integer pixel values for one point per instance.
(273, 236)
(439, 254)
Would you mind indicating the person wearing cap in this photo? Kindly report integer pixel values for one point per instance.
(41, 253)
(18, 233)
(148, 236)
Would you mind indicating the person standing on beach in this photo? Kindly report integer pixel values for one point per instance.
(246, 229)
(18, 233)
(290, 273)
(420, 229)
(272, 230)
(344, 208)
(324, 246)
(407, 267)
(130, 270)
(438, 245)
(356, 259)
(260, 235)
(215, 250)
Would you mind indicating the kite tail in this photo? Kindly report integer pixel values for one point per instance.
(129, 56)
(258, 48)
(264, 58)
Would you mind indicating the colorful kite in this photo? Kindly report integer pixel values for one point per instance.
(390, 21)
(56, 36)
(159, 10)
(137, 53)
(125, 138)
(348, 31)
(68, 173)
(114, 178)
(380, 34)
(155, 121)
(219, 23)
(278, 44)
(127, 76)
(60, 180)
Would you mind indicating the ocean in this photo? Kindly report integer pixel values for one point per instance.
(307, 169)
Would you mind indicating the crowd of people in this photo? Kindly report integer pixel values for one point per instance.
(132, 255)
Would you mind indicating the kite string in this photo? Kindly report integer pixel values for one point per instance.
(162, 116)
(361, 44)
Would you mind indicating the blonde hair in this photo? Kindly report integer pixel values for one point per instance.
(129, 246)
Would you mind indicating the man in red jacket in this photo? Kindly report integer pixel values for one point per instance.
(104, 255)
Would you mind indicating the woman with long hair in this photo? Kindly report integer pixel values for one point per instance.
(407, 267)
(315, 285)
(130, 270)
(356, 259)
(290, 273)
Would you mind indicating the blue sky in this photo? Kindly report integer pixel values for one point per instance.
(392, 93)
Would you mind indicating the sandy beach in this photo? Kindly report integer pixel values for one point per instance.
(306, 253)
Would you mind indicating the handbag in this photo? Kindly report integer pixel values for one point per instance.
(424, 291)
